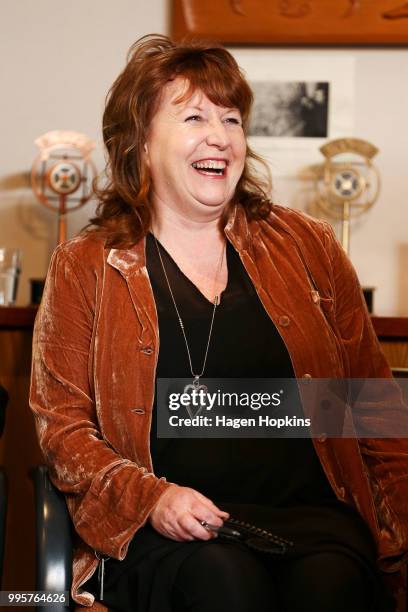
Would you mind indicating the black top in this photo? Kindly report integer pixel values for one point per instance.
(244, 344)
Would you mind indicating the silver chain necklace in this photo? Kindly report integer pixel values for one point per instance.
(196, 377)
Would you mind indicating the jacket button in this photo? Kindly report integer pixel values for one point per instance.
(138, 410)
(315, 297)
(306, 375)
(342, 492)
(147, 350)
(284, 321)
(322, 438)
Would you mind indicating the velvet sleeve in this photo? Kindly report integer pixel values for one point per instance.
(109, 497)
(379, 406)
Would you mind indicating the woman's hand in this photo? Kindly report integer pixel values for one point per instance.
(178, 513)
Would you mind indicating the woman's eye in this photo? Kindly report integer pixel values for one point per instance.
(194, 118)
(233, 120)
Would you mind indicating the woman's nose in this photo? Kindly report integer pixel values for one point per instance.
(217, 134)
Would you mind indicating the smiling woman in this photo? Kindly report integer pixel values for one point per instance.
(169, 92)
(195, 151)
(188, 270)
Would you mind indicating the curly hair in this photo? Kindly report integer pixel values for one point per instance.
(124, 211)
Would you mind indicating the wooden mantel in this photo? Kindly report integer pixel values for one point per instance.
(391, 327)
(17, 317)
(22, 317)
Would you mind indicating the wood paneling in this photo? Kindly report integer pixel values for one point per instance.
(392, 333)
(396, 353)
(18, 452)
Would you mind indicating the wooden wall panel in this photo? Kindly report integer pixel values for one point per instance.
(19, 451)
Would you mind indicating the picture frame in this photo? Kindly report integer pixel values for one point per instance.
(293, 22)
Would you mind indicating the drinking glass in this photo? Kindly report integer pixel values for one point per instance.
(10, 268)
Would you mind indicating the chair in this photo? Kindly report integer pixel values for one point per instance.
(53, 539)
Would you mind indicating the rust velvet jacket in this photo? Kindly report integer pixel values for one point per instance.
(96, 344)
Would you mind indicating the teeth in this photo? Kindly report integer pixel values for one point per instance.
(212, 164)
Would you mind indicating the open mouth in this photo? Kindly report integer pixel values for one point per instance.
(211, 167)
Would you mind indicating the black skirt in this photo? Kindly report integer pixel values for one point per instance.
(143, 581)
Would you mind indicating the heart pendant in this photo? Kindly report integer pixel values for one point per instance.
(198, 400)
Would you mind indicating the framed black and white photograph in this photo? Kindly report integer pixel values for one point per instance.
(301, 100)
(290, 109)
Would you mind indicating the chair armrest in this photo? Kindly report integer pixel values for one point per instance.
(53, 538)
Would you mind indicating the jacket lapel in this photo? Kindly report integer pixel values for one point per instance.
(131, 263)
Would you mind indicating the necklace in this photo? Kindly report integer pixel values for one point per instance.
(195, 386)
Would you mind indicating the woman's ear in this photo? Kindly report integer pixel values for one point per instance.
(146, 151)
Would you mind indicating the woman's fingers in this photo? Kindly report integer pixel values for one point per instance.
(186, 530)
(179, 512)
(205, 500)
(194, 527)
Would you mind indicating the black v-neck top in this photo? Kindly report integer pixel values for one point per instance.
(244, 344)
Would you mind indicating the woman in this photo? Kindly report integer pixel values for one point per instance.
(187, 271)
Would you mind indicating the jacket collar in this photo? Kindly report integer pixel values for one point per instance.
(131, 261)
(238, 229)
(128, 261)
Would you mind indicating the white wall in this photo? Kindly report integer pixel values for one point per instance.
(379, 239)
(58, 59)
(57, 63)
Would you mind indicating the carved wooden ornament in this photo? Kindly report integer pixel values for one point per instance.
(316, 22)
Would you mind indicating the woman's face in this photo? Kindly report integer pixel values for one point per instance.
(196, 153)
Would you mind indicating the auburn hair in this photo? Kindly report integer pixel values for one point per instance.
(123, 213)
